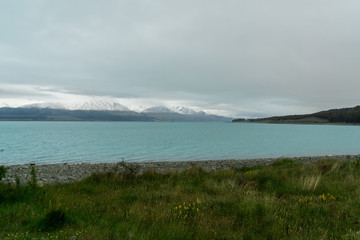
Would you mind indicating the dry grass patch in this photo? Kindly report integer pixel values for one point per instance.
(310, 182)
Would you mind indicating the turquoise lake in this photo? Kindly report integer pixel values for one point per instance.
(91, 142)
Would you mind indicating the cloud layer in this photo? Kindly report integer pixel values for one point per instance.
(243, 57)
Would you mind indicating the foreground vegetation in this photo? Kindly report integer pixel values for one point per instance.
(285, 200)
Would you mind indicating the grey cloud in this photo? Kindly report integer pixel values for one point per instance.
(238, 53)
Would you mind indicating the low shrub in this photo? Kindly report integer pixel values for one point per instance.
(33, 178)
(328, 165)
(356, 164)
(3, 171)
(54, 219)
(128, 171)
(285, 163)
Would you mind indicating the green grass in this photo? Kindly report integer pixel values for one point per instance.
(285, 200)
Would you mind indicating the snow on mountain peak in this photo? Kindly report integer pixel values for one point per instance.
(90, 105)
(2, 105)
(48, 105)
(185, 110)
(108, 105)
(158, 109)
(176, 109)
(99, 105)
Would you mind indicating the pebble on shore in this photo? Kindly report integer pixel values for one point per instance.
(64, 173)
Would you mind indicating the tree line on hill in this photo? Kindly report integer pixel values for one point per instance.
(343, 115)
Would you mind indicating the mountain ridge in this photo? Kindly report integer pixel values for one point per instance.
(106, 105)
(86, 105)
(173, 109)
(103, 111)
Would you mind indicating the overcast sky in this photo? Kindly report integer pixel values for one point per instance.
(233, 57)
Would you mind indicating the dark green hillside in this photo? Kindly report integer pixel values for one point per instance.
(333, 116)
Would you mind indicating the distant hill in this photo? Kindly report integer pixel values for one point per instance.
(333, 116)
(177, 117)
(36, 113)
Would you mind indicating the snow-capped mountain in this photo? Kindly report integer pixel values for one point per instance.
(158, 109)
(2, 105)
(100, 106)
(185, 110)
(104, 110)
(176, 109)
(110, 106)
(89, 105)
(47, 105)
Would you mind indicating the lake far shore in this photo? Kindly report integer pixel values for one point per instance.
(65, 173)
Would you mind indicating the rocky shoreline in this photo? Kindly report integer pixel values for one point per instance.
(64, 173)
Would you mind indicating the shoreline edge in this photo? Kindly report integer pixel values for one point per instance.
(65, 173)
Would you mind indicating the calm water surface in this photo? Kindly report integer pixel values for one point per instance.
(90, 142)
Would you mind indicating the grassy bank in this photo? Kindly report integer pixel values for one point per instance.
(285, 200)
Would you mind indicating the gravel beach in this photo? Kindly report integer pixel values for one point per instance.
(64, 173)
